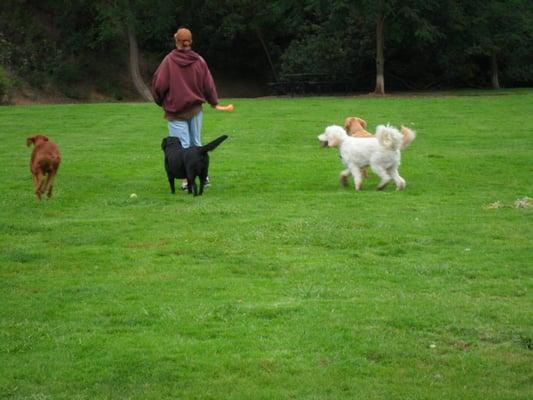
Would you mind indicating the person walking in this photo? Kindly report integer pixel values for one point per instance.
(181, 85)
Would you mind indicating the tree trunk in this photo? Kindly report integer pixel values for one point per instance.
(380, 58)
(134, 65)
(494, 71)
(267, 53)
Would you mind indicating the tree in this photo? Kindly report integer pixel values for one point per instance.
(250, 26)
(498, 30)
(379, 13)
(136, 77)
(330, 38)
(409, 25)
(103, 25)
(380, 43)
(118, 22)
(414, 44)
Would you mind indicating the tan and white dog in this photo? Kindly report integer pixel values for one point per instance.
(356, 126)
(382, 153)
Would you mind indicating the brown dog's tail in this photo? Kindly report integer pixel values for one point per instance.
(214, 144)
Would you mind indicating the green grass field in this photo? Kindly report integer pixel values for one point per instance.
(278, 283)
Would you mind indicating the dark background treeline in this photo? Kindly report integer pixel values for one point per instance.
(83, 49)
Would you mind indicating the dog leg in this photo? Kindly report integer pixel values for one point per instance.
(382, 173)
(398, 180)
(50, 184)
(343, 177)
(40, 185)
(191, 186)
(172, 186)
(45, 183)
(35, 178)
(357, 177)
(203, 180)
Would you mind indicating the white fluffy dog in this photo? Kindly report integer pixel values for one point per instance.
(381, 153)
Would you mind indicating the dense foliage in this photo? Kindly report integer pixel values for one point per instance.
(427, 44)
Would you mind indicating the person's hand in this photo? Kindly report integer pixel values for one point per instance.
(228, 108)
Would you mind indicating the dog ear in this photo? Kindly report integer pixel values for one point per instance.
(30, 141)
(362, 122)
(348, 123)
(164, 144)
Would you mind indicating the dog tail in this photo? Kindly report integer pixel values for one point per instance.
(389, 137)
(214, 144)
(408, 136)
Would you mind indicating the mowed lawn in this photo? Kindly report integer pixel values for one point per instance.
(278, 283)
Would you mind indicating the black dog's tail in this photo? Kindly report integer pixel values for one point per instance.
(214, 144)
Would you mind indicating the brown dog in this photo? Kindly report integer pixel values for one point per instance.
(45, 160)
(355, 126)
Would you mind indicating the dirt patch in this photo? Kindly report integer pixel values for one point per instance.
(226, 87)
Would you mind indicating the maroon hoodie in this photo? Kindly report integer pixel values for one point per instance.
(182, 83)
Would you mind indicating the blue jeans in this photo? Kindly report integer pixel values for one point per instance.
(189, 131)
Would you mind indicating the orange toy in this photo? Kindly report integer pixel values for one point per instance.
(228, 108)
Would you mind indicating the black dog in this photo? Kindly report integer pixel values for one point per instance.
(188, 163)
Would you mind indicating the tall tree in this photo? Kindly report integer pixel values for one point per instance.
(380, 44)
(379, 16)
(331, 38)
(400, 25)
(135, 72)
(408, 43)
(252, 26)
(116, 23)
(498, 29)
(119, 20)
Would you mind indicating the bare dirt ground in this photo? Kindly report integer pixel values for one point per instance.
(226, 87)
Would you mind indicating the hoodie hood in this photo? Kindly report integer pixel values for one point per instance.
(184, 58)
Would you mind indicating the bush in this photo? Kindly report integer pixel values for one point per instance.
(313, 55)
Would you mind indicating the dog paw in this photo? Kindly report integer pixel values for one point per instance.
(343, 180)
(401, 185)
